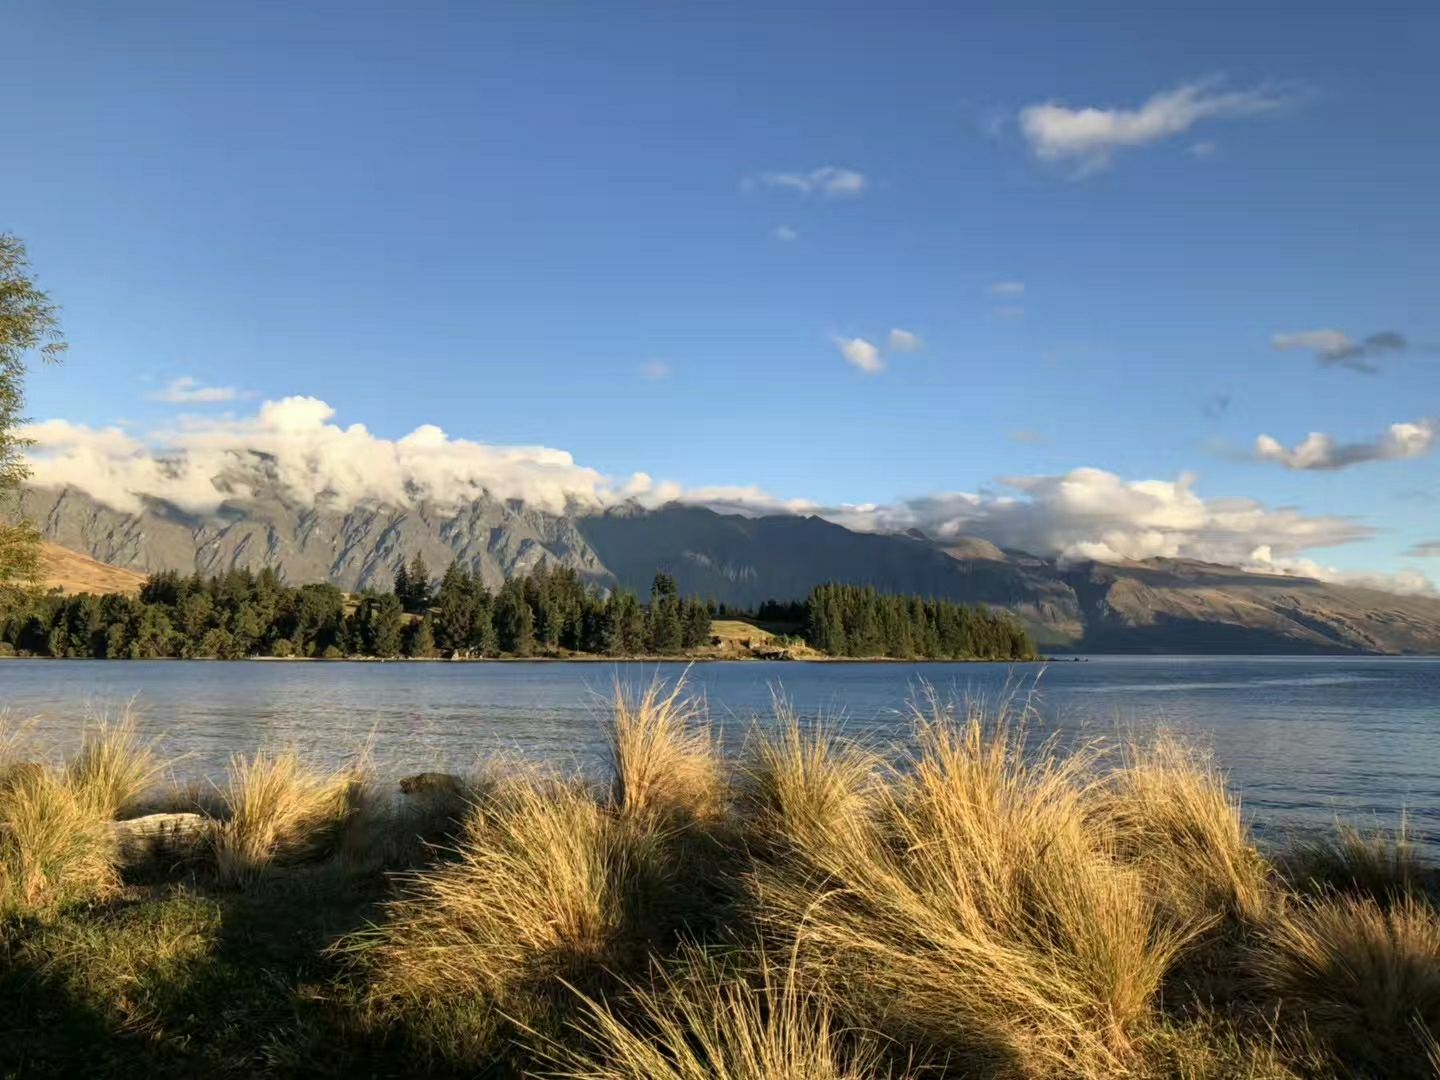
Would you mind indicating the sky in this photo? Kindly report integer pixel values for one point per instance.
(1073, 277)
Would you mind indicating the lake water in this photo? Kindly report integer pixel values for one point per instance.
(1304, 740)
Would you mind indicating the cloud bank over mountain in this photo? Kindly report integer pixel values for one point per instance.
(294, 448)
(294, 444)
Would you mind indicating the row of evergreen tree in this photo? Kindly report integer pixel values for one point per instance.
(240, 614)
(859, 620)
(555, 610)
(549, 611)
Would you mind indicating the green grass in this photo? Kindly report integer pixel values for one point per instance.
(974, 904)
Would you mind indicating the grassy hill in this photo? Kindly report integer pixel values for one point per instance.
(71, 572)
(743, 639)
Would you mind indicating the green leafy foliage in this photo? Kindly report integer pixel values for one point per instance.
(29, 324)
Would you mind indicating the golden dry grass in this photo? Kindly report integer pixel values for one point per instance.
(71, 573)
(801, 787)
(54, 847)
(114, 767)
(1383, 865)
(738, 631)
(976, 903)
(279, 810)
(702, 1020)
(1212, 1046)
(1174, 819)
(984, 915)
(545, 888)
(1364, 977)
(663, 759)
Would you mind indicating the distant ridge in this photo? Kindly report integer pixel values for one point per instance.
(1155, 605)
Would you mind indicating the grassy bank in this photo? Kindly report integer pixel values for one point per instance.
(988, 906)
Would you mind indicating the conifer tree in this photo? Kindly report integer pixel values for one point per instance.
(402, 584)
(514, 621)
(418, 597)
(419, 640)
(455, 603)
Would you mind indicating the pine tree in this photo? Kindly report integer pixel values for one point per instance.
(418, 597)
(514, 621)
(455, 615)
(419, 640)
(482, 640)
(376, 626)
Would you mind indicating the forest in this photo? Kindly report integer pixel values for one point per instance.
(856, 620)
(549, 612)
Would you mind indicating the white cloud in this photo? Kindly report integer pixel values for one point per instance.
(1403, 582)
(294, 449)
(1326, 343)
(828, 180)
(1336, 348)
(1008, 288)
(903, 341)
(786, 233)
(1429, 549)
(861, 354)
(654, 370)
(871, 358)
(293, 446)
(1092, 136)
(1008, 311)
(1320, 452)
(1205, 148)
(187, 390)
(1093, 514)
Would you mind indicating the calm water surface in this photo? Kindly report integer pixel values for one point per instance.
(1304, 740)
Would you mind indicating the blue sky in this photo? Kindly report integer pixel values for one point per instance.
(559, 224)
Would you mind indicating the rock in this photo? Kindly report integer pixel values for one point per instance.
(431, 784)
(167, 838)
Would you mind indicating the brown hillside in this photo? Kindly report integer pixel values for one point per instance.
(71, 572)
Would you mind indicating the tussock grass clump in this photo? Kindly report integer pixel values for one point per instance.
(1381, 865)
(1214, 1047)
(985, 915)
(55, 843)
(1172, 817)
(800, 789)
(663, 758)
(545, 888)
(553, 888)
(278, 810)
(701, 1019)
(1365, 979)
(54, 847)
(114, 766)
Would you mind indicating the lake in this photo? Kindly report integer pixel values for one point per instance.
(1304, 740)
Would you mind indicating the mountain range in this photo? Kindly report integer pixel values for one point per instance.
(1155, 605)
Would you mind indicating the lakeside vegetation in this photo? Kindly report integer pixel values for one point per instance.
(551, 612)
(974, 904)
